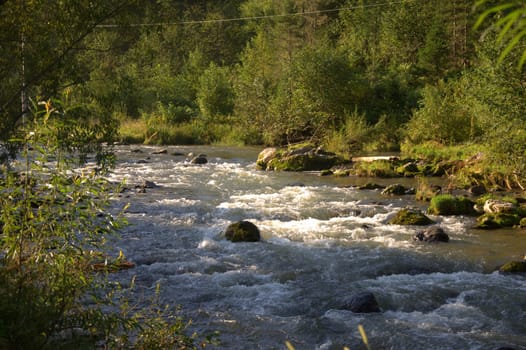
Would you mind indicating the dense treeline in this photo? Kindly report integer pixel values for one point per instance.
(353, 75)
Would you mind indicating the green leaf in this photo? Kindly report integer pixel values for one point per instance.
(490, 11)
(511, 20)
(513, 42)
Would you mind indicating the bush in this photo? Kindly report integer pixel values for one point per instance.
(441, 118)
(55, 227)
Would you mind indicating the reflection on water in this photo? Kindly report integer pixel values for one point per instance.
(322, 240)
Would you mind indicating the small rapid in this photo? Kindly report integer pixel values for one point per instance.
(322, 240)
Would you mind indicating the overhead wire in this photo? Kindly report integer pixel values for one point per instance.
(247, 18)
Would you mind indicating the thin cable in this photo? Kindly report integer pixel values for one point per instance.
(238, 19)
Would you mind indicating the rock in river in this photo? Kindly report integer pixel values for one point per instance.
(242, 231)
(297, 158)
(410, 217)
(362, 302)
(432, 234)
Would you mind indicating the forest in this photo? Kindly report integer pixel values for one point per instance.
(351, 75)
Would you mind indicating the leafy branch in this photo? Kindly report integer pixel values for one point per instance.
(511, 26)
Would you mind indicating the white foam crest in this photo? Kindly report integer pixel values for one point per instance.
(182, 201)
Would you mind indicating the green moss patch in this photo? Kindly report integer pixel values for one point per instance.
(446, 204)
(497, 220)
(514, 267)
(410, 217)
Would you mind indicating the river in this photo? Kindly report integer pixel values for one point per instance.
(323, 240)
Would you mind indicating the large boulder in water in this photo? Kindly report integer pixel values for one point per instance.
(497, 220)
(446, 204)
(362, 302)
(297, 158)
(242, 231)
(432, 234)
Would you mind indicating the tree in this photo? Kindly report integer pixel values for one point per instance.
(215, 95)
(40, 42)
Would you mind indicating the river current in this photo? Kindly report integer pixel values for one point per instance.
(322, 241)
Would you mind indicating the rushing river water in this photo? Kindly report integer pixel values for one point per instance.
(323, 240)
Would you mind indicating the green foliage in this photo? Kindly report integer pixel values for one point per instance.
(215, 95)
(351, 137)
(433, 151)
(441, 118)
(509, 23)
(56, 221)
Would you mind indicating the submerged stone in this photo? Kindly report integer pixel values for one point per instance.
(362, 302)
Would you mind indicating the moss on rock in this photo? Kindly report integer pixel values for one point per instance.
(446, 204)
(514, 267)
(410, 217)
(497, 220)
(297, 158)
(395, 189)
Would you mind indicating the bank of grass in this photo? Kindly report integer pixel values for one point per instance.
(434, 151)
(143, 131)
(474, 164)
(132, 131)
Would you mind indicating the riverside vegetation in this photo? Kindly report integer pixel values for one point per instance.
(349, 76)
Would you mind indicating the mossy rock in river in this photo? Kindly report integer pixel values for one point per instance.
(303, 157)
(497, 220)
(242, 231)
(514, 267)
(410, 217)
(395, 189)
(446, 204)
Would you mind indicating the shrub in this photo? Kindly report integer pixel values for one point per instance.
(55, 225)
(441, 117)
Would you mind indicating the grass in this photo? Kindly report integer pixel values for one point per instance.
(434, 151)
(132, 131)
(377, 168)
(156, 132)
